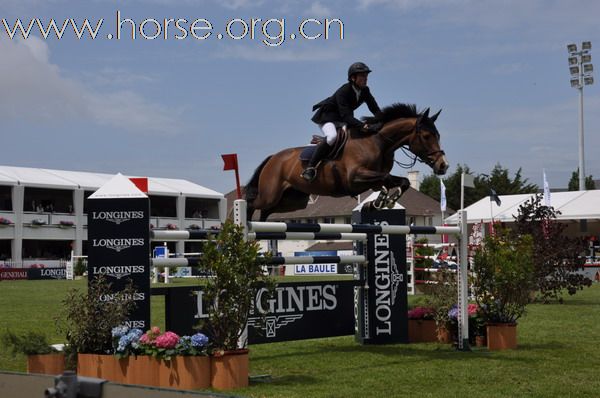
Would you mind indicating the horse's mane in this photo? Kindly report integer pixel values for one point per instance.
(392, 112)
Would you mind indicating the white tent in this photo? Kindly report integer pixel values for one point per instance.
(574, 205)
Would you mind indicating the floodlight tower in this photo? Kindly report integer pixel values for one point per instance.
(581, 68)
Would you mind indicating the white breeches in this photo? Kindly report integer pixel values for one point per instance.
(330, 132)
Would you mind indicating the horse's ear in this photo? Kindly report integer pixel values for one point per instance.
(425, 114)
(434, 117)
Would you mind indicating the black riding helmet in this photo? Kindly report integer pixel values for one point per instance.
(357, 67)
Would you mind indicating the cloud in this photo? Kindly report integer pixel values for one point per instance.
(318, 10)
(35, 90)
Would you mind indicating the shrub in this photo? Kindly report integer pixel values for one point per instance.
(87, 319)
(503, 280)
(236, 273)
(556, 256)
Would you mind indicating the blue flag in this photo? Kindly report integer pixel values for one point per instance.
(494, 196)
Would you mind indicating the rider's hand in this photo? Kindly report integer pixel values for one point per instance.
(372, 128)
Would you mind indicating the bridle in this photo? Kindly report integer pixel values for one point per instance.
(416, 134)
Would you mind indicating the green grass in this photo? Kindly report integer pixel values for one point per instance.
(558, 354)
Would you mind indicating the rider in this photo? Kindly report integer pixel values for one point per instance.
(338, 110)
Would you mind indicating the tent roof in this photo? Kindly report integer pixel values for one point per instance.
(573, 205)
(62, 179)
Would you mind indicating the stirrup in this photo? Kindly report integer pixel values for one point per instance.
(309, 174)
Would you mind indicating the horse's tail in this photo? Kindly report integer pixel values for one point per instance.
(251, 189)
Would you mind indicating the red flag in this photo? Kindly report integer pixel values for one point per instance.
(230, 161)
(141, 183)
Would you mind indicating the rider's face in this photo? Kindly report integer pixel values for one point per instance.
(360, 80)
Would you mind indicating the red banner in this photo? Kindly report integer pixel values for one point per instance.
(230, 161)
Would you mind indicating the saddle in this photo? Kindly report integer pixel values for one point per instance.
(336, 149)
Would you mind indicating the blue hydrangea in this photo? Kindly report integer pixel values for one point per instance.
(185, 340)
(119, 331)
(453, 313)
(199, 340)
(131, 339)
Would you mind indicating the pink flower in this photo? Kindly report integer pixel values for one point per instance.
(145, 339)
(167, 340)
(155, 330)
(421, 313)
(472, 309)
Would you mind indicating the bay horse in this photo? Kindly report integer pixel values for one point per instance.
(365, 163)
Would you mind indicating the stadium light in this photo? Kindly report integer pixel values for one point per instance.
(581, 69)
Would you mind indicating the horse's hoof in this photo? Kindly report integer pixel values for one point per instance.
(392, 199)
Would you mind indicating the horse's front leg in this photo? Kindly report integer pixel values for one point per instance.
(393, 182)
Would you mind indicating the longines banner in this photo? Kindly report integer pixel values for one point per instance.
(119, 249)
(381, 309)
(296, 311)
(33, 273)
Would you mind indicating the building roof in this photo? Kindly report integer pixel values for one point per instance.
(416, 204)
(63, 179)
(573, 205)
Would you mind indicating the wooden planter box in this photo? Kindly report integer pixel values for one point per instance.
(422, 331)
(501, 336)
(230, 370)
(186, 373)
(181, 372)
(51, 364)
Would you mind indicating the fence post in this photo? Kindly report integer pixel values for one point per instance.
(463, 316)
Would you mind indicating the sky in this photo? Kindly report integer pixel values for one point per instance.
(169, 106)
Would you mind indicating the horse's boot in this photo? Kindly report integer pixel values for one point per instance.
(310, 173)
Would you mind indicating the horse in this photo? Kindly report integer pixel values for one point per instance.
(365, 163)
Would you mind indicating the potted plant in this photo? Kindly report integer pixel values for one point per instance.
(41, 356)
(80, 268)
(87, 321)
(237, 271)
(4, 222)
(421, 325)
(161, 359)
(441, 296)
(504, 278)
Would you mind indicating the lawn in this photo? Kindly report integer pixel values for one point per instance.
(558, 355)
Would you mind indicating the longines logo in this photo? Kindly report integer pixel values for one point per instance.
(383, 284)
(118, 244)
(135, 324)
(285, 307)
(137, 296)
(397, 278)
(59, 273)
(272, 323)
(118, 271)
(117, 217)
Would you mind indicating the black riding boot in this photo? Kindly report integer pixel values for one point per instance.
(310, 173)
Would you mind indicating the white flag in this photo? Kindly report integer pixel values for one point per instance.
(442, 195)
(468, 180)
(546, 192)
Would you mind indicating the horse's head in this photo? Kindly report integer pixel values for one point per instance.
(424, 142)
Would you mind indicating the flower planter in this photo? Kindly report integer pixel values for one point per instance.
(422, 331)
(444, 335)
(229, 370)
(181, 372)
(501, 336)
(52, 364)
(142, 370)
(480, 341)
(185, 372)
(107, 367)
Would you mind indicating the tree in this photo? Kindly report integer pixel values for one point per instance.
(574, 182)
(556, 257)
(498, 179)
